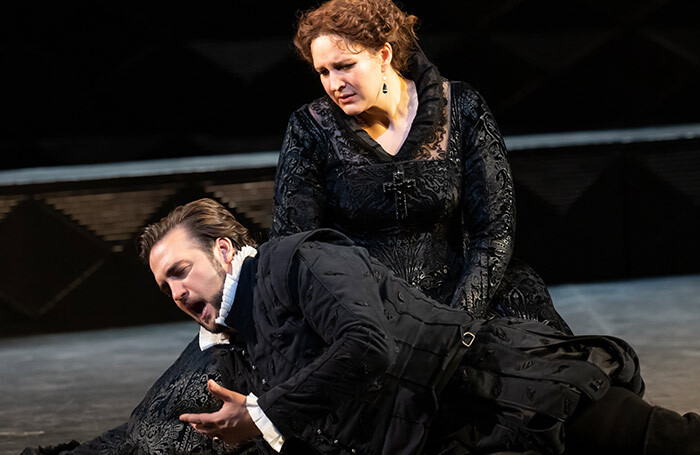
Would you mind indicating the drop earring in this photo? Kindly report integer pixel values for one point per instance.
(385, 90)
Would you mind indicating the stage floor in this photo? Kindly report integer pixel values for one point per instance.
(54, 388)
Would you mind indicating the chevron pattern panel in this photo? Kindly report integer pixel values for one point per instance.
(69, 256)
(608, 213)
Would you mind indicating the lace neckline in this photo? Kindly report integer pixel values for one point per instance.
(386, 140)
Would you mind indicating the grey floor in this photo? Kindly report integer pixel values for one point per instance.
(54, 388)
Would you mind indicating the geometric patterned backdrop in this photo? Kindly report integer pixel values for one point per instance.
(584, 213)
(609, 212)
(69, 259)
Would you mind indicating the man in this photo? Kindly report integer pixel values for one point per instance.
(340, 355)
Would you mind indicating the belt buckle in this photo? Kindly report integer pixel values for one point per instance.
(468, 338)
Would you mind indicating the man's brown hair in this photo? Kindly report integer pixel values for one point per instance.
(205, 221)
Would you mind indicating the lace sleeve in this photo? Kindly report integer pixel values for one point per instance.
(488, 205)
(299, 194)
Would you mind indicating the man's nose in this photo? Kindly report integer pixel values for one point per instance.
(179, 292)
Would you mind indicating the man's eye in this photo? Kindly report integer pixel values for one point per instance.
(179, 272)
(348, 66)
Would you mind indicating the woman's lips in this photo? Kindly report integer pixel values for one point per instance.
(346, 98)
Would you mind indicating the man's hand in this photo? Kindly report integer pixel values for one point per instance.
(231, 423)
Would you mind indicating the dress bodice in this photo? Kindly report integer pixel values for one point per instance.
(403, 208)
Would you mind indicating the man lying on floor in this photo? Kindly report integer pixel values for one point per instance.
(335, 353)
(321, 349)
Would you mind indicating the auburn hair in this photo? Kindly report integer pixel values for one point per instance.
(369, 23)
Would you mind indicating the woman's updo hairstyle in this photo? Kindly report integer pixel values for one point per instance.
(369, 23)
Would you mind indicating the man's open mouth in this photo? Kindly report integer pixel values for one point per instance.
(197, 307)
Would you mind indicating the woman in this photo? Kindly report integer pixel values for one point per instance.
(405, 163)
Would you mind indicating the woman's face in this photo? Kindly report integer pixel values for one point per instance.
(352, 79)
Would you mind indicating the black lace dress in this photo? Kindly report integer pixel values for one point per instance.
(154, 427)
(440, 212)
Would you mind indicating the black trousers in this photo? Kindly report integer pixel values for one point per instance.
(621, 423)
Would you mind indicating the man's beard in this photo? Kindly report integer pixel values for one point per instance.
(216, 303)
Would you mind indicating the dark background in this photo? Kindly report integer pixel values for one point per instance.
(88, 82)
(103, 82)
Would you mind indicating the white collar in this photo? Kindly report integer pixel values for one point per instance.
(208, 339)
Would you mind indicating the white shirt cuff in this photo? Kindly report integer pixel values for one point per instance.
(265, 425)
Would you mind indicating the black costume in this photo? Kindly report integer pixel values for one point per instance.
(440, 213)
(349, 359)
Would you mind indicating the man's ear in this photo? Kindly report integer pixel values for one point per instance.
(224, 250)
